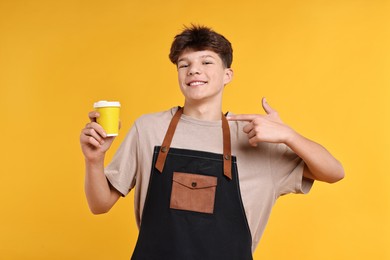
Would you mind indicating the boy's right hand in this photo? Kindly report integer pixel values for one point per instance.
(93, 139)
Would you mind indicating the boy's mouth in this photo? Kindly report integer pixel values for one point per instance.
(196, 83)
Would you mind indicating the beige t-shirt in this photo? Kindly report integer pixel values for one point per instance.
(265, 172)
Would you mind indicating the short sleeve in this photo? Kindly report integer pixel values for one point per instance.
(122, 170)
(287, 171)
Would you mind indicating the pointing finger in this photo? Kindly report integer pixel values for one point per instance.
(242, 117)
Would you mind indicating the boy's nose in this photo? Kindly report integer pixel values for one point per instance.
(194, 70)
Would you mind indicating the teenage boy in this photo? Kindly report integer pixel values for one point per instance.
(205, 182)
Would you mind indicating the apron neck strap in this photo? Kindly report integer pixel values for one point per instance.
(227, 154)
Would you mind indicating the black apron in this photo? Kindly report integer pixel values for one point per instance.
(193, 209)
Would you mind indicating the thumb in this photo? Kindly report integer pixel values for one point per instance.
(267, 108)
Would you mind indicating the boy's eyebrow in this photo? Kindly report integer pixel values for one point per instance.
(207, 56)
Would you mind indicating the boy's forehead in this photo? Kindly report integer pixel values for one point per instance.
(191, 53)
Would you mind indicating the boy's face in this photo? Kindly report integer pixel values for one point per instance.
(202, 76)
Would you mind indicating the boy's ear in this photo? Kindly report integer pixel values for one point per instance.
(228, 76)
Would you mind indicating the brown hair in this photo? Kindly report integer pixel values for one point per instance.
(199, 38)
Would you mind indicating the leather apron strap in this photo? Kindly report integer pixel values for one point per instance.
(227, 154)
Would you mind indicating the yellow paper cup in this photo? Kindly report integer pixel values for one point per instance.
(109, 116)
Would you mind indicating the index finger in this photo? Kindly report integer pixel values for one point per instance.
(242, 117)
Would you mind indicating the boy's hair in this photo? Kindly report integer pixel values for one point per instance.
(199, 38)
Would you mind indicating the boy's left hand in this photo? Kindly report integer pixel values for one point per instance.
(264, 128)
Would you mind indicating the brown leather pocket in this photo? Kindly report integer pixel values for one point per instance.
(193, 192)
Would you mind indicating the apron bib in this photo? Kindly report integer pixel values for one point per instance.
(193, 209)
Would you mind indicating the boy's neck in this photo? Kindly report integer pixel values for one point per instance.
(206, 112)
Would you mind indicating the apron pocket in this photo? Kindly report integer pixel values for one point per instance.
(193, 192)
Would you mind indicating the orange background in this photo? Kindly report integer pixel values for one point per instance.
(324, 65)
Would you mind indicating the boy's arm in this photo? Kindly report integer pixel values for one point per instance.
(94, 145)
(100, 194)
(319, 163)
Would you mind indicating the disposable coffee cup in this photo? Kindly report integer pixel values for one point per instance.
(109, 116)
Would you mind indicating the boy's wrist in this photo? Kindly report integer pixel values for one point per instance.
(94, 162)
(291, 137)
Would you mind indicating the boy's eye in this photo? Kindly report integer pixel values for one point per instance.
(207, 62)
(182, 66)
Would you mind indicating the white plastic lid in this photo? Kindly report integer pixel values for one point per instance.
(104, 103)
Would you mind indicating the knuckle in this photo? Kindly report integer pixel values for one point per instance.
(91, 131)
(84, 132)
(95, 125)
(257, 120)
(257, 125)
(91, 140)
